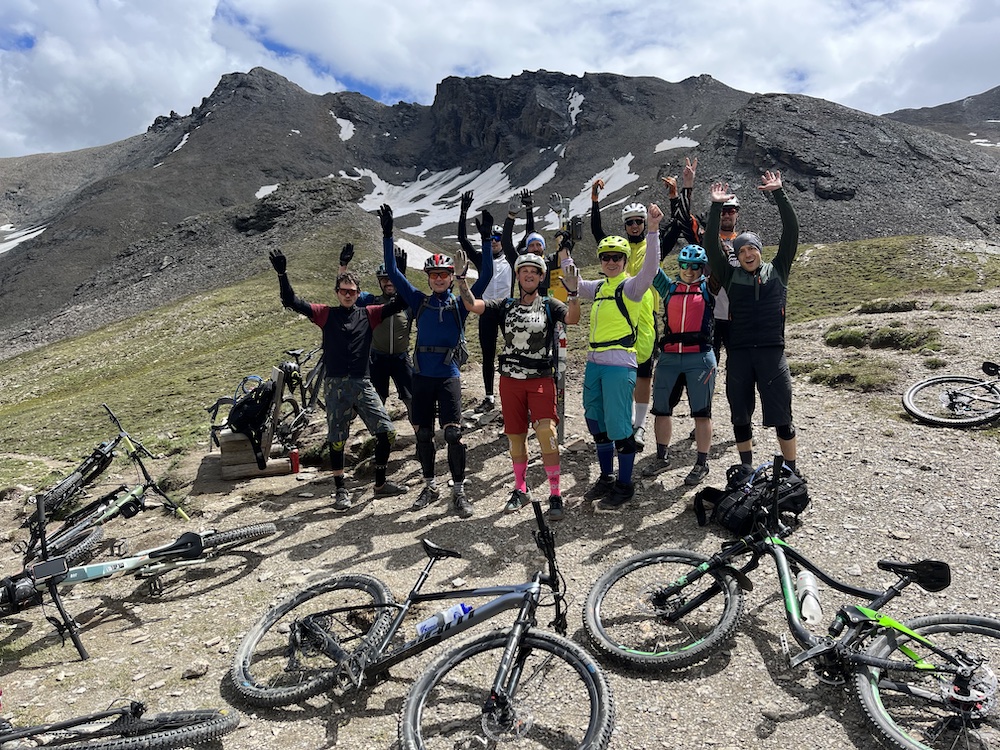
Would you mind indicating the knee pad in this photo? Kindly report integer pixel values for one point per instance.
(518, 446)
(626, 446)
(425, 435)
(452, 434)
(337, 455)
(785, 431)
(382, 449)
(546, 434)
(601, 438)
(742, 432)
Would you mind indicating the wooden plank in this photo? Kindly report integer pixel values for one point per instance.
(275, 467)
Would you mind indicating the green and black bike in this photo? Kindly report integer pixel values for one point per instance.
(927, 683)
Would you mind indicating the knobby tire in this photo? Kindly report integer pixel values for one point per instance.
(952, 401)
(273, 666)
(219, 541)
(148, 732)
(918, 710)
(626, 614)
(562, 700)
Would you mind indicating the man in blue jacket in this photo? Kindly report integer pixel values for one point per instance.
(440, 319)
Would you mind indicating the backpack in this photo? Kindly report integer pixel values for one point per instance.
(748, 497)
(458, 353)
(249, 416)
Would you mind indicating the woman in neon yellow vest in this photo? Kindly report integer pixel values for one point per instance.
(609, 378)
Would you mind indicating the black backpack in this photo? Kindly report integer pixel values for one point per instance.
(748, 496)
(250, 415)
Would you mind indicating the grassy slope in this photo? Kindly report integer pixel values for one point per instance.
(159, 370)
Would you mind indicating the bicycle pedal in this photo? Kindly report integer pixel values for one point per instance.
(785, 648)
(120, 548)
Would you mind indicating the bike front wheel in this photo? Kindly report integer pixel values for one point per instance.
(918, 706)
(281, 661)
(126, 732)
(633, 616)
(561, 700)
(953, 401)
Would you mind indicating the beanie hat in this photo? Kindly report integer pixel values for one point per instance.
(747, 238)
(533, 237)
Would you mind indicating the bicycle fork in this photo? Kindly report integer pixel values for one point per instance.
(500, 715)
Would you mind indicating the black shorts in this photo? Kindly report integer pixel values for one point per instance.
(398, 367)
(767, 369)
(441, 395)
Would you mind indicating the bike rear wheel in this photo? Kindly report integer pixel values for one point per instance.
(279, 661)
(221, 541)
(562, 700)
(77, 544)
(289, 425)
(921, 709)
(953, 401)
(630, 618)
(166, 730)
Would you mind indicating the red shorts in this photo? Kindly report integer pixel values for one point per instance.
(524, 401)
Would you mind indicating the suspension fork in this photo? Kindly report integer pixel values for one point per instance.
(515, 653)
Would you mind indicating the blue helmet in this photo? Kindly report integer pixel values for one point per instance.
(693, 254)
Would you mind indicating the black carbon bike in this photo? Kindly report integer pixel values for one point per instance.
(517, 685)
(956, 400)
(926, 683)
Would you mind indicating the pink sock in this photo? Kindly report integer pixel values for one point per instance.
(552, 472)
(520, 470)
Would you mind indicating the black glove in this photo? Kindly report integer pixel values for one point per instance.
(347, 254)
(385, 216)
(278, 260)
(526, 198)
(466, 202)
(565, 241)
(485, 225)
(400, 254)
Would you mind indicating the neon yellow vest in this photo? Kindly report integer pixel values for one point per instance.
(647, 331)
(609, 329)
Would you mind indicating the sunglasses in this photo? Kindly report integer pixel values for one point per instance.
(438, 274)
(685, 266)
(349, 292)
(634, 222)
(611, 257)
(496, 238)
(730, 210)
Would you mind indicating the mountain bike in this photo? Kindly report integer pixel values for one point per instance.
(81, 531)
(956, 400)
(520, 684)
(296, 410)
(929, 682)
(26, 589)
(123, 728)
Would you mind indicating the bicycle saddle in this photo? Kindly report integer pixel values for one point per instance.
(188, 546)
(438, 553)
(930, 575)
(991, 368)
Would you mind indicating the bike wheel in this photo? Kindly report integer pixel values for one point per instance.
(562, 699)
(921, 708)
(220, 541)
(77, 544)
(279, 660)
(288, 426)
(124, 732)
(631, 619)
(953, 401)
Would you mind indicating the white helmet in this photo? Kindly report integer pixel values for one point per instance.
(734, 202)
(634, 211)
(530, 259)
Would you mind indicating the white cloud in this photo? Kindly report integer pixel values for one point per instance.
(76, 74)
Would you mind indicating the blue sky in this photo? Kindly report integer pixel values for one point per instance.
(79, 73)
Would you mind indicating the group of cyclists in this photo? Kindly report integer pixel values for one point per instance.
(721, 296)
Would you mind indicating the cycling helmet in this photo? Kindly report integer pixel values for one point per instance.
(380, 272)
(530, 259)
(693, 254)
(534, 237)
(634, 211)
(439, 262)
(734, 202)
(612, 244)
(497, 232)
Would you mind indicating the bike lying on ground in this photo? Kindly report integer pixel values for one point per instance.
(123, 728)
(26, 589)
(521, 684)
(81, 532)
(956, 400)
(930, 682)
